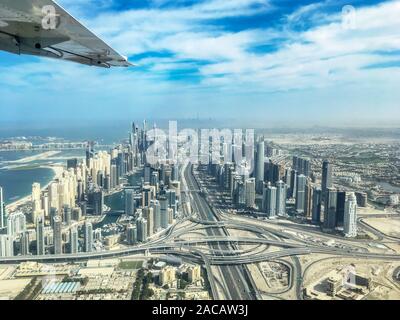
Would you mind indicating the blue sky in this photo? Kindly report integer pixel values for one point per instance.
(268, 61)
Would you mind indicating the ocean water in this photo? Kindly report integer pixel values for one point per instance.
(17, 183)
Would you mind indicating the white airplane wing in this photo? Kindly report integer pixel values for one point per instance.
(44, 28)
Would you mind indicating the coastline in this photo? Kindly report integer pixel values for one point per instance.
(57, 170)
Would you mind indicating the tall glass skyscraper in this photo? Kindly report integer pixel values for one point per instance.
(2, 210)
(260, 167)
(326, 177)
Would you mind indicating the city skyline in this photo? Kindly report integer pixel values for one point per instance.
(284, 63)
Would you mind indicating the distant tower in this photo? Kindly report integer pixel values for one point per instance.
(350, 216)
(40, 245)
(281, 195)
(131, 234)
(293, 184)
(2, 210)
(57, 235)
(341, 200)
(301, 193)
(330, 209)
(155, 204)
(148, 214)
(6, 246)
(250, 188)
(316, 205)
(141, 225)
(326, 177)
(260, 166)
(74, 240)
(88, 237)
(164, 211)
(270, 201)
(130, 206)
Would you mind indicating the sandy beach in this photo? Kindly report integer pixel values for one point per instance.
(58, 171)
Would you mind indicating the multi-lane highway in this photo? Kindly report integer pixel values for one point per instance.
(236, 278)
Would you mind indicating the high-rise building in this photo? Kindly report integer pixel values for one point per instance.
(330, 209)
(302, 166)
(67, 215)
(281, 195)
(141, 225)
(24, 243)
(57, 235)
(301, 194)
(155, 204)
(148, 214)
(269, 198)
(130, 202)
(72, 163)
(16, 223)
(164, 212)
(147, 195)
(2, 210)
(350, 216)
(326, 177)
(114, 176)
(88, 237)
(250, 190)
(341, 200)
(40, 243)
(6, 246)
(131, 234)
(308, 199)
(98, 202)
(36, 192)
(74, 240)
(316, 205)
(293, 184)
(260, 166)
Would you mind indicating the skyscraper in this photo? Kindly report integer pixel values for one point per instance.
(6, 246)
(155, 204)
(350, 216)
(326, 177)
(164, 212)
(131, 234)
(98, 202)
(130, 205)
(308, 200)
(270, 201)
(260, 166)
(293, 184)
(281, 195)
(40, 244)
(301, 193)
(16, 223)
(141, 225)
(88, 237)
(330, 209)
(341, 200)
(74, 240)
(148, 214)
(57, 235)
(67, 215)
(316, 205)
(250, 189)
(24, 243)
(2, 210)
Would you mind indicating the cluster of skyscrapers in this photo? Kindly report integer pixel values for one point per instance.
(273, 186)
